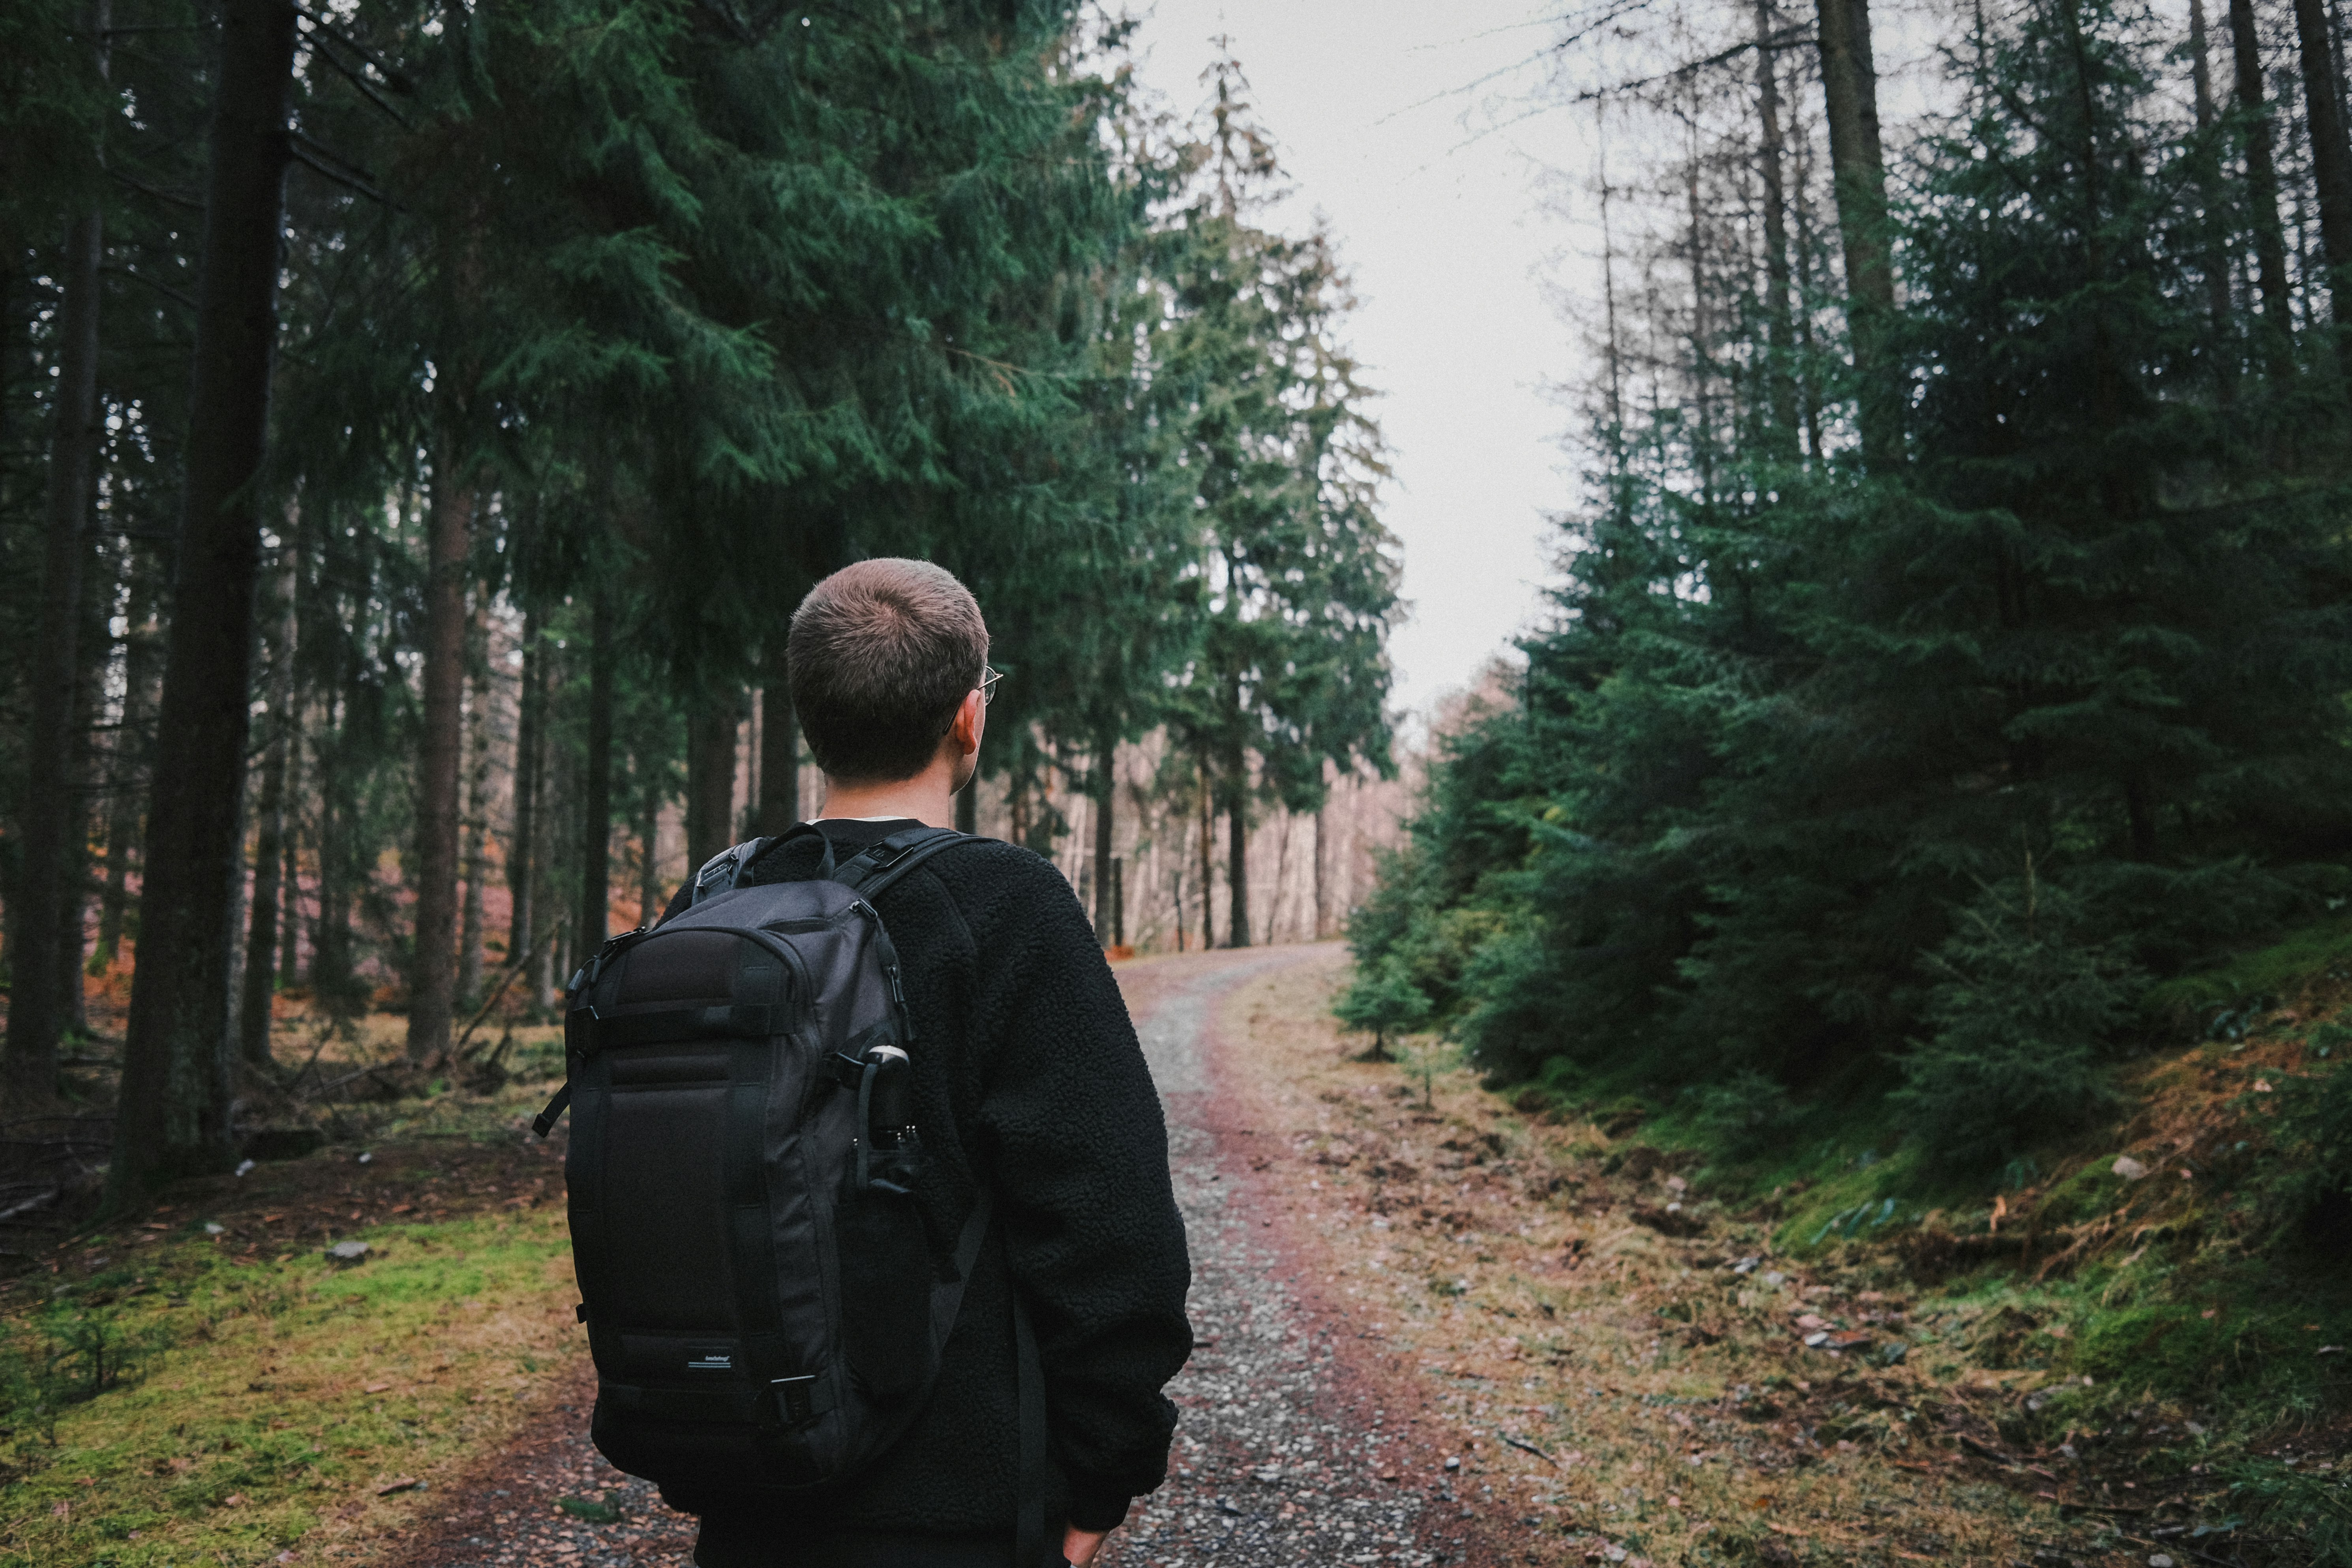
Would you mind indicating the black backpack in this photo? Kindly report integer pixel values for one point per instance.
(764, 1307)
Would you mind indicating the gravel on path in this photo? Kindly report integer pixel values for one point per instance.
(1283, 1453)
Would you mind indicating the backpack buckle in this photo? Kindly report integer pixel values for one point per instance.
(795, 1399)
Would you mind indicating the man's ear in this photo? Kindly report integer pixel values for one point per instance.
(964, 729)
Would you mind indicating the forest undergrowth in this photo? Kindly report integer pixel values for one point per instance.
(1689, 1338)
(208, 1381)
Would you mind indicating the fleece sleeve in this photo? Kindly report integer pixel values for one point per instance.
(1074, 1132)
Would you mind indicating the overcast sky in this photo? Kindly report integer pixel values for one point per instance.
(1446, 236)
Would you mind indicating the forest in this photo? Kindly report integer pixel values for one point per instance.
(1952, 648)
(417, 424)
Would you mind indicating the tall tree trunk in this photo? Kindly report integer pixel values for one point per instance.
(1105, 792)
(1779, 328)
(1808, 391)
(259, 984)
(332, 979)
(591, 915)
(1322, 874)
(2331, 166)
(290, 921)
(475, 859)
(530, 704)
(440, 762)
(1237, 920)
(1237, 772)
(779, 747)
(1208, 857)
(649, 894)
(172, 1115)
(127, 760)
(709, 781)
(2215, 263)
(1850, 84)
(40, 1006)
(2275, 329)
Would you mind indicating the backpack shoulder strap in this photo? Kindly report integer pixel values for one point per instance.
(725, 870)
(877, 865)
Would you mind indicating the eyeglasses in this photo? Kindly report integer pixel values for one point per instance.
(988, 680)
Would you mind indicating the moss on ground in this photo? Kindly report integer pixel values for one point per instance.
(270, 1400)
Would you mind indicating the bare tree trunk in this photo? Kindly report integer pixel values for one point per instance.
(127, 759)
(1208, 857)
(2215, 263)
(433, 972)
(1105, 794)
(475, 859)
(531, 705)
(1849, 83)
(260, 982)
(1779, 331)
(2276, 327)
(593, 914)
(172, 1114)
(39, 1005)
(1322, 874)
(290, 921)
(2331, 165)
(710, 782)
(1237, 842)
(780, 748)
(650, 896)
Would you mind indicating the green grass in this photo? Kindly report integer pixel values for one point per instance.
(2222, 997)
(268, 1402)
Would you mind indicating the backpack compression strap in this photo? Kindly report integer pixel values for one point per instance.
(873, 869)
(726, 869)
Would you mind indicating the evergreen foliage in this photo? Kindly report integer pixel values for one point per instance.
(1757, 802)
(606, 327)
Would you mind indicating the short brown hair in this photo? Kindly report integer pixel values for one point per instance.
(881, 654)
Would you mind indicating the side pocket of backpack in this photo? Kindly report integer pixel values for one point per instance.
(886, 1294)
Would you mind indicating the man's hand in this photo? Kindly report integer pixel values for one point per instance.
(1079, 1546)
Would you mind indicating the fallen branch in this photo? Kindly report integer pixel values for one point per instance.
(1526, 1448)
(457, 1052)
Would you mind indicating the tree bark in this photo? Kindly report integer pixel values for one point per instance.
(127, 760)
(2215, 263)
(1237, 933)
(1106, 783)
(2261, 192)
(649, 895)
(1208, 858)
(172, 1115)
(530, 702)
(433, 971)
(40, 1006)
(1858, 165)
(2331, 164)
(332, 979)
(710, 782)
(290, 919)
(475, 856)
(1779, 333)
(780, 748)
(260, 978)
(591, 915)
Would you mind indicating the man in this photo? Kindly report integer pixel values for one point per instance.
(1028, 1077)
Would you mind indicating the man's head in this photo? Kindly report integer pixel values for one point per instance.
(883, 655)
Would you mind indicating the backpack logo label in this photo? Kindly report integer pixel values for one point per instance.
(711, 1361)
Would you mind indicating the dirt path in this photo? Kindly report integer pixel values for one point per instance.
(1291, 1450)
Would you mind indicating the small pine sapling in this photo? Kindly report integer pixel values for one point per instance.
(1382, 1001)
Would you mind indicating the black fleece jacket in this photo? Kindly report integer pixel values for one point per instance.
(1027, 1075)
